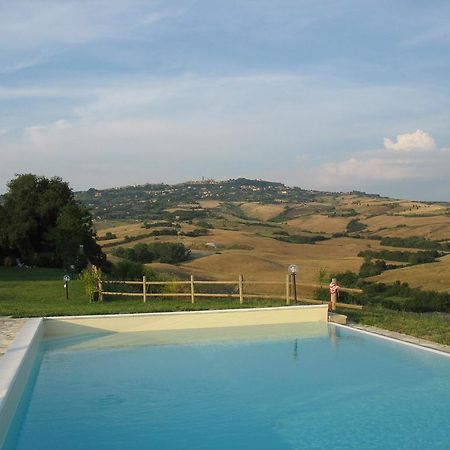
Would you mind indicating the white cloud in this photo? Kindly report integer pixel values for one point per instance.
(412, 160)
(409, 142)
(358, 169)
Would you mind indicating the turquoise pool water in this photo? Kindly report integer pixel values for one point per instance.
(282, 387)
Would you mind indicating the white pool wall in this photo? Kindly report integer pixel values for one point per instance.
(66, 326)
(15, 367)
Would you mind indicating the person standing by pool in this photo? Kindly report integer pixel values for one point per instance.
(334, 294)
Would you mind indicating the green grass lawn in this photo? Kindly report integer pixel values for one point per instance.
(40, 292)
(431, 326)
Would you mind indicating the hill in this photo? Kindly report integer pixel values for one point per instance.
(258, 228)
(149, 200)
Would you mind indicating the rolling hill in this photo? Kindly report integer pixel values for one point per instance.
(258, 228)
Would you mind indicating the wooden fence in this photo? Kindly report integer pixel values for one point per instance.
(239, 286)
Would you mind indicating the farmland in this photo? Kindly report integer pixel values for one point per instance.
(258, 228)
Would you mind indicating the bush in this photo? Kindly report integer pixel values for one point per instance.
(421, 257)
(128, 270)
(164, 232)
(401, 297)
(107, 237)
(91, 278)
(415, 242)
(348, 279)
(355, 225)
(197, 232)
(298, 239)
(157, 224)
(165, 252)
(370, 269)
(280, 233)
(205, 224)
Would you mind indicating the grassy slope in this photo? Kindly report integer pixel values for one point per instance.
(429, 277)
(433, 327)
(39, 292)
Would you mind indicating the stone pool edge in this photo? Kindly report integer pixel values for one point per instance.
(400, 338)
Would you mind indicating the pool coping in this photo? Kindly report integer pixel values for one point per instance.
(399, 338)
(15, 367)
(404, 338)
(202, 311)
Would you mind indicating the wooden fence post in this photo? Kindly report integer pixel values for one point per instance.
(192, 290)
(144, 288)
(241, 289)
(288, 298)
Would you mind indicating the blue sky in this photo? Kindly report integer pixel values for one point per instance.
(332, 95)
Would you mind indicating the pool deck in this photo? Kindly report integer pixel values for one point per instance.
(9, 329)
(400, 337)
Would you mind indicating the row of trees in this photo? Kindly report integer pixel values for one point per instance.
(42, 224)
(421, 257)
(165, 252)
(415, 242)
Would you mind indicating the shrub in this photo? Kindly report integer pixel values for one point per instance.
(205, 224)
(197, 232)
(355, 225)
(91, 277)
(128, 270)
(165, 252)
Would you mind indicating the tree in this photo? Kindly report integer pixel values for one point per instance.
(31, 207)
(4, 249)
(72, 237)
(43, 224)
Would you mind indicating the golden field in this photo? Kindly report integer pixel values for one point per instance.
(318, 223)
(261, 212)
(431, 277)
(250, 249)
(434, 227)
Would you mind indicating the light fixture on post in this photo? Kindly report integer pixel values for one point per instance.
(292, 270)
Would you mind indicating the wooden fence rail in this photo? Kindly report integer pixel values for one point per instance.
(238, 284)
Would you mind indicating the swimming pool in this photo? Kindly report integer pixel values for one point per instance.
(281, 386)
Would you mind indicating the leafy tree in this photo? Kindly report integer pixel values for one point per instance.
(72, 237)
(43, 223)
(129, 270)
(370, 269)
(31, 207)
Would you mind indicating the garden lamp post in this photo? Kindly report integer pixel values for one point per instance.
(292, 270)
(66, 279)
